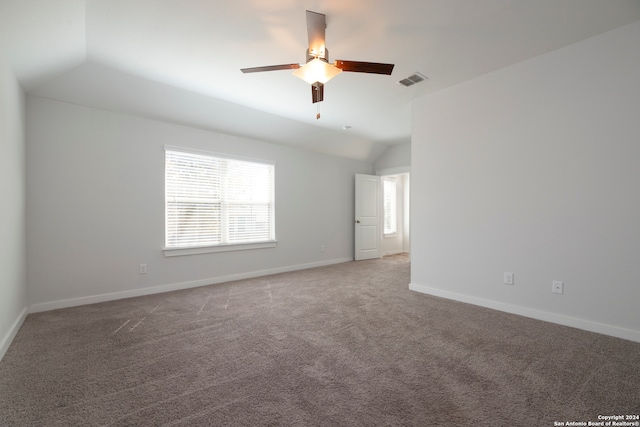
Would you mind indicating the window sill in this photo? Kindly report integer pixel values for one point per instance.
(171, 252)
(391, 235)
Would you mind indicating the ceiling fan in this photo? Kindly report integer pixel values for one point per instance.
(317, 70)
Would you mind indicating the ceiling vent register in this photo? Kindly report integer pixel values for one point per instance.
(412, 79)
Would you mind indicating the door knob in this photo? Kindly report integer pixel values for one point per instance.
(357, 221)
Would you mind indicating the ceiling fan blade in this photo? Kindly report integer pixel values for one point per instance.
(365, 67)
(316, 24)
(271, 68)
(317, 92)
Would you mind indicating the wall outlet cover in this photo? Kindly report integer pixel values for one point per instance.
(508, 278)
(557, 287)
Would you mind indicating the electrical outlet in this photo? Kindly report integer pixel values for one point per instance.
(557, 287)
(508, 278)
(143, 268)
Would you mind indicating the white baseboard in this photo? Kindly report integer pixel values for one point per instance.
(587, 325)
(13, 330)
(93, 299)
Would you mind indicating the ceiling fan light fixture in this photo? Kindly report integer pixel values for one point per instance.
(317, 70)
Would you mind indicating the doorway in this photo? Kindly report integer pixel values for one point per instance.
(382, 222)
(395, 213)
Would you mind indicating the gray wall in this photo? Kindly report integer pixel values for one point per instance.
(13, 302)
(397, 156)
(96, 206)
(534, 169)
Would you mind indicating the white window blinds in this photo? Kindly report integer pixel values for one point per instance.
(390, 205)
(213, 200)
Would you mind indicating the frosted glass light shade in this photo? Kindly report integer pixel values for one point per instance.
(317, 70)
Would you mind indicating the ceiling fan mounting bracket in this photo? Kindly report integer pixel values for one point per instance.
(323, 55)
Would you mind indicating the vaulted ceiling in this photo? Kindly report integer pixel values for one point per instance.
(180, 60)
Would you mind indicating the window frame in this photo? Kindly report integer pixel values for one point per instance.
(221, 247)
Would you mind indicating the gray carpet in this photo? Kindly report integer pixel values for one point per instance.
(343, 345)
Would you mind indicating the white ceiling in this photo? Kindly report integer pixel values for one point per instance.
(179, 60)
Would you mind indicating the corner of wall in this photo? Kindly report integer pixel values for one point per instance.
(6, 341)
(13, 294)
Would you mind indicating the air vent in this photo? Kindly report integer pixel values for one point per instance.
(412, 79)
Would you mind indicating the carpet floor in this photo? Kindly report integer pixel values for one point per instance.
(342, 345)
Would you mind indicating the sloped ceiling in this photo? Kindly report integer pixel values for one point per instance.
(179, 60)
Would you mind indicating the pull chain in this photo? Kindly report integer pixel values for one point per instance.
(317, 110)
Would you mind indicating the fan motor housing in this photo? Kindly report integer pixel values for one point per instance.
(322, 55)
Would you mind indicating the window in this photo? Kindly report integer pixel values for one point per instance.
(390, 208)
(215, 202)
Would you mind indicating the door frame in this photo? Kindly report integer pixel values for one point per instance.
(402, 170)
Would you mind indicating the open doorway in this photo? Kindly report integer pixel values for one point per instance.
(396, 219)
(382, 223)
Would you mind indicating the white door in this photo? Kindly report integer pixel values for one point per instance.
(368, 217)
